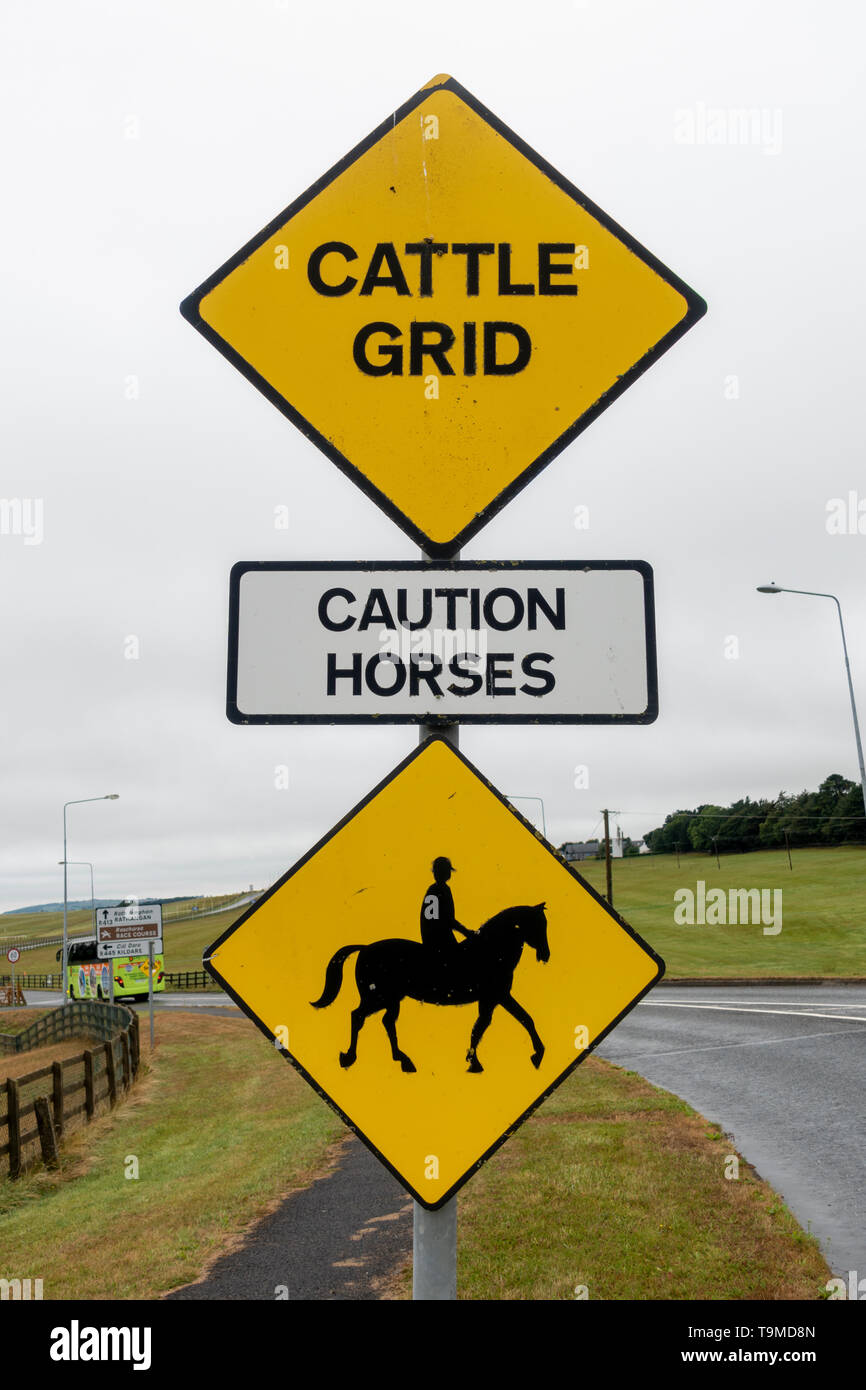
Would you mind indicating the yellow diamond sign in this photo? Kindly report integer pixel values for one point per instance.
(433, 969)
(442, 313)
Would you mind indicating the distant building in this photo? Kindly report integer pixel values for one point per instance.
(575, 850)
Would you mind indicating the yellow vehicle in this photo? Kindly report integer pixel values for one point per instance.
(88, 977)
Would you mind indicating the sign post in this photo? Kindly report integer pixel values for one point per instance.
(128, 930)
(13, 955)
(434, 1233)
(150, 987)
(441, 373)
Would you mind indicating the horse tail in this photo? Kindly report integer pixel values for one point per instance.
(334, 976)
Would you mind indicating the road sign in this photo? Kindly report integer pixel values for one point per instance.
(128, 923)
(138, 946)
(356, 935)
(13, 955)
(128, 930)
(570, 642)
(442, 313)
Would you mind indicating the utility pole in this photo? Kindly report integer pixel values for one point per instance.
(607, 859)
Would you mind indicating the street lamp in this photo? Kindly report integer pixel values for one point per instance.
(541, 804)
(811, 593)
(112, 796)
(86, 864)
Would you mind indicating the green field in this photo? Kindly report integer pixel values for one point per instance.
(184, 940)
(823, 902)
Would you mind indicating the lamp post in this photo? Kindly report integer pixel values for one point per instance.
(811, 593)
(112, 796)
(86, 864)
(541, 804)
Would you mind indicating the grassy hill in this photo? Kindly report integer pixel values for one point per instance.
(823, 901)
(823, 911)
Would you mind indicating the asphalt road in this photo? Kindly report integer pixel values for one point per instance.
(781, 1069)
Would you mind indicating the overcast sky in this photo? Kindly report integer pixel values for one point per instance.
(144, 143)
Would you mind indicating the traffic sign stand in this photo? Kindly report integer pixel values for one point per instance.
(441, 417)
(12, 957)
(434, 1233)
(150, 987)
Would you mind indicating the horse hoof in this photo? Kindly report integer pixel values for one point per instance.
(536, 1058)
(346, 1059)
(407, 1064)
(475, 1065)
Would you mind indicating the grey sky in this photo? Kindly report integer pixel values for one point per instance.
(145, 143)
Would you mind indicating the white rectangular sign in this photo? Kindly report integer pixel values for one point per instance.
(561, 642)
(132, 922)
(111, 949)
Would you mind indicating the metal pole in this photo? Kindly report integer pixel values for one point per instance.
(150, 988)
(608, 864)
(434, 1253)
(65, 949)
(815, 593)
(853, 705)
(541, 804)
(434, 1237)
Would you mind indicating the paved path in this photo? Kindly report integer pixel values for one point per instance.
(343, 1239)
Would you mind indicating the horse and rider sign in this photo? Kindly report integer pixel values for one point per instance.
(441, 314)
(433, 1052)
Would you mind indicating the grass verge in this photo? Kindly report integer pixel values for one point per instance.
(613, 1185)
(619, 1188)
(220, 1127)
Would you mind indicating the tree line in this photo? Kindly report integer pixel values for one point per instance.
(833, 815)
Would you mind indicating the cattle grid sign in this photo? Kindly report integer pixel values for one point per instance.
(569, 642)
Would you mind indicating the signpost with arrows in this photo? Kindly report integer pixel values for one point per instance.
(442, 313)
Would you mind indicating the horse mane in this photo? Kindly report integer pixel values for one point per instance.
(504, 918)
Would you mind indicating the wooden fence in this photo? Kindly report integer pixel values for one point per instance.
(178, 979)
(190, 979)
(102, 1073)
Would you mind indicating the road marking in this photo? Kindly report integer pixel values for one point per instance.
(799, 1003)
(744, 1009)
(621, 1057)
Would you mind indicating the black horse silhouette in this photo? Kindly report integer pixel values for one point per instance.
(479, 970)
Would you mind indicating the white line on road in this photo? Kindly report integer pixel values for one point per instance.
(798, 1003)
(626, 1057)
(745, 1009)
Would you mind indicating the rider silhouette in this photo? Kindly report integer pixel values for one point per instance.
(438, 922)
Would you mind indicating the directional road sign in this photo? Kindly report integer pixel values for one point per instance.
(139, 946)
(442, 313)
(433, 969)
(564, 642)
(128, 930)
(129, 923)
